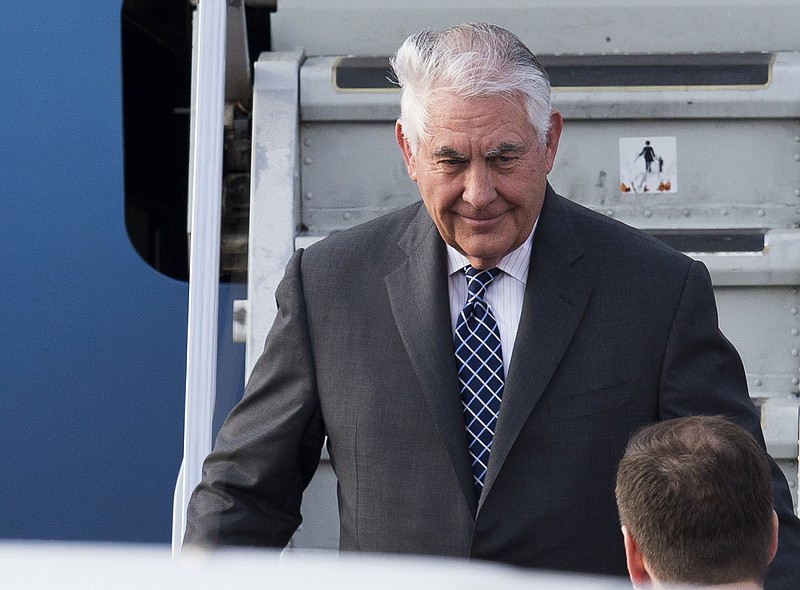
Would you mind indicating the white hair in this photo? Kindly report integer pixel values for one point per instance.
(469, 60)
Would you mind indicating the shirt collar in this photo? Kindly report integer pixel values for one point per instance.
(515, 263)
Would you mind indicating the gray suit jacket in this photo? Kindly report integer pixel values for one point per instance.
(617, 331)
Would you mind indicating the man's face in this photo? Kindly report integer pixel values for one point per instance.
(482, 173)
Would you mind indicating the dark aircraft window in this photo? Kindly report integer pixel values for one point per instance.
(156, 85)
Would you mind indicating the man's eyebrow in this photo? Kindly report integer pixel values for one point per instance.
(504, 149)
(449, 153)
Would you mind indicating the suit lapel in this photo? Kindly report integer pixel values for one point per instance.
(555, 299)
(419, 297)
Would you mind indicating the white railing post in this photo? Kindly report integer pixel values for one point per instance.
(205, 182)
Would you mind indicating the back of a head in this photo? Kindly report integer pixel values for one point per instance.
(468, 60)
(696, 495)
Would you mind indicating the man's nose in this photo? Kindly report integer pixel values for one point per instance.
(479, 189)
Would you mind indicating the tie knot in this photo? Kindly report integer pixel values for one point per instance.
(478, 280)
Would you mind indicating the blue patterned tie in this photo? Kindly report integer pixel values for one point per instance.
(480, 369)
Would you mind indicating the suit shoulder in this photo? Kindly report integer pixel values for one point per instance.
(371, 240)
(605, 232)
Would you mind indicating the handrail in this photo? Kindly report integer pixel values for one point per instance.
(205, 188)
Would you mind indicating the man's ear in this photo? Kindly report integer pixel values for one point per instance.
(773, 546)
(405, 148)
(636, 569)
(553, 136)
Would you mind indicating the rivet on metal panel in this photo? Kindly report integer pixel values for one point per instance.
(307, 141)
(648, 213)
(794, 332)
(760, 213)
(309, 195)
(797, 157)
(795, 380)
(724, 212)
(797, 192)
(758, 382)
(797, 138)
(307, 160)
(795, 352)
(610, 213)
(793, 311)
(686, 213)
(347, 216)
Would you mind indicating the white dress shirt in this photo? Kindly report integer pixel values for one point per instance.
(504, 294)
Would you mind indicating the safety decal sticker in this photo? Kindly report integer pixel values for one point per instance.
(648, 165)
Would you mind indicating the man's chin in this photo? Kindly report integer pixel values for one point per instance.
(484, 257)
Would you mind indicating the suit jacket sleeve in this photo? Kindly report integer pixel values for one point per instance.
(269, 447)
(703, 374)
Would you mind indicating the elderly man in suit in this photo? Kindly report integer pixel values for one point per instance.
(477, 361)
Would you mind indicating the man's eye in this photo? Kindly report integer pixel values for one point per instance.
(505, 160)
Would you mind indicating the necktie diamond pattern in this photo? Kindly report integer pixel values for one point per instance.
(480, 369)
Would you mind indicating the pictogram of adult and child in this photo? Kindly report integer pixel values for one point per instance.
(657, 174)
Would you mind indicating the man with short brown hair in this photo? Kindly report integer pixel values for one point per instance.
(695, 503)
